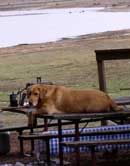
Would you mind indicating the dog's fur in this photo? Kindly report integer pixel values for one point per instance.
(52, 99)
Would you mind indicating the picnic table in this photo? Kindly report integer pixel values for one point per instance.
(19, 109)
(77, 118)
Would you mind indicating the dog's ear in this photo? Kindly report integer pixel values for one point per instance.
(43, 92)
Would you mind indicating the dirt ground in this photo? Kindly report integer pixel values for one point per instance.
(124, 35)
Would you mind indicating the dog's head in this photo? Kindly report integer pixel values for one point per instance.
(35, 94)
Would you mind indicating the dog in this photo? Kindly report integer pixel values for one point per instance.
(53, 99)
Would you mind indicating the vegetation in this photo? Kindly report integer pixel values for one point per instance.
(69, 62)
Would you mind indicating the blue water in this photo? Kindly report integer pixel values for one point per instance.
(40, 26)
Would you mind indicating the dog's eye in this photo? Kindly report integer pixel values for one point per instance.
(35, 94)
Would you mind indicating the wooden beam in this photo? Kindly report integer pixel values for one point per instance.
(114, 54)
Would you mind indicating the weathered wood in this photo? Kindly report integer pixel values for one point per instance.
(125, 100)
(101, 76)
(113, 54)
(38, 136)
(22, 110)
(101, 56)
(47, 135)
(90, 116)
(18, 128)
(95, 143)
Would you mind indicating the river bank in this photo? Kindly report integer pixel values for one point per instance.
(122, 5)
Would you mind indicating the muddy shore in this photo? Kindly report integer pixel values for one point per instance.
(42, 4)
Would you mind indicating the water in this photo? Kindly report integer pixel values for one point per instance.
(40, 26)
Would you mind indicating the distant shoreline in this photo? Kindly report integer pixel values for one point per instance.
(113, 5)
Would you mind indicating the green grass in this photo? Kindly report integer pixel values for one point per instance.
(71, 64)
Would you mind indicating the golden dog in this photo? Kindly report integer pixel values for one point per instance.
(52, 99)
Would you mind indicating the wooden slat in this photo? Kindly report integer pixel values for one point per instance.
(17, 128)
(125, 100)
(112, 54)
(37, 136)
(22, 110)
(90, 116)
(86, 133)
(95, 143)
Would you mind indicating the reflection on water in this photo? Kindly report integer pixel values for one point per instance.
(25, 27)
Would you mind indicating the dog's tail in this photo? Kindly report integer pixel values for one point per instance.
(114, 106)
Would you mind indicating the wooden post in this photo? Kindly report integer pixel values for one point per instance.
(21, 143)
(77, 134)
(60, 140)
(47, 141)
(101, 75)
(102, 81)
(32, 141)
(93, 156)
(45, 124)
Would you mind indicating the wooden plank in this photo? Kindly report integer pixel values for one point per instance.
(48, 135)
(74, 116)
(113, 54)
(11, 108)
(123, 100)
(19, 109)
(78, 116)
(17, 128)
(95, 143)
(101, 76)
(38, 136)
(22, 110)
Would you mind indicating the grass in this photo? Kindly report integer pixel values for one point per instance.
(71, 63)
